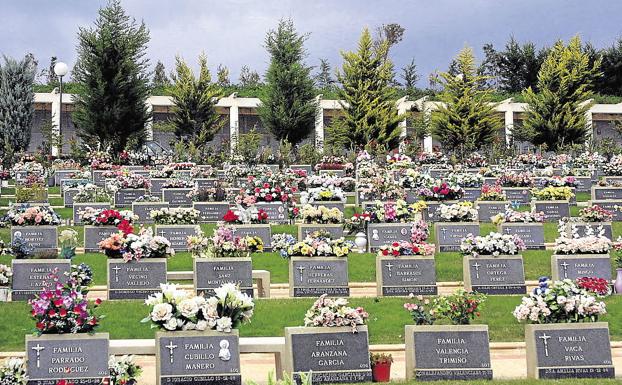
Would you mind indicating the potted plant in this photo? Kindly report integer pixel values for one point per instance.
(5, 282)
(381, 366)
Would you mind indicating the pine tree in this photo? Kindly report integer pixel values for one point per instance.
(194, 112)
(113, 78)
(370, 113)
(466, 120)
(611, 82)
(555, 115)
(324, 79)
(249, 78)
(160, 80)
(222, 76)
(288, 107)
(410, 77)
(16, 105)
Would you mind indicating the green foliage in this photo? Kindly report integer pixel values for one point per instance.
(51, 137)
(611, 82)
(249, 78)
(324, 79)
(466, 121)
(160, 80)
(16, 105)
(288, 109)
(286, 153)
(34, 193)
(410, 77)
(222, 76)
(555, 115)
(113, 74)
(370, 113)
(247, 147)
(308, 154)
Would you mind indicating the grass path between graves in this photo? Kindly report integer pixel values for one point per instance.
(386, 321)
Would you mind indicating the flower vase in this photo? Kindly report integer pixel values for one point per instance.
(381, 372)
(618, 284)
(4, 294)
(361, 242)
(68, 252)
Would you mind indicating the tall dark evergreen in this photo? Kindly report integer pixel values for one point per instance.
(611, 66)
(410, 78)
(112, 72)
(289, 108)
(160, 79)
(324, 78)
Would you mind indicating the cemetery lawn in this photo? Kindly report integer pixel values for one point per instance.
(386, 322)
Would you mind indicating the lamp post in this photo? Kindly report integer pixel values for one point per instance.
(60, 69)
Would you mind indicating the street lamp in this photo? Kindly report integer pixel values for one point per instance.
(60, 69)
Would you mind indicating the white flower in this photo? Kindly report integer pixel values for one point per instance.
(188, 307)
(162, 312)
(171, 324)
(224, 325)
(201, 325)
(154, 299)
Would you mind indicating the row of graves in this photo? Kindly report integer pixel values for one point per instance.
(397, 203)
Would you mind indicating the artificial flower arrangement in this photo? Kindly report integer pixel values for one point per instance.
(393, 212)
(475, 160)
(179, 166)
(614, 166)
(175, 216)
(176, 309)
(457, 212)
(382, 187)
(29, 167)
(559, 302)
(316, 244)
(532, 159)
(322, 194)
(223, 244)
(512, 216)
(127, 180)
(100, 160)
(492, 193)
(320, 214)
(358, 222)
(258, 190)
(469, 180)
(458, 308)
(148, 198)
(567, 171)
(397, 161)
(368, 169)
(6, 273)
(282, 241)
(242, 216)
(435, 158)
(411, 178)
(65, 164)
(136, 246)
(237, 171)
(178, 183)
(13, 372)
(559, 181)
(123, 219)
(68, 241)
(595, 213)
(589, 160)
(511, 179)
(160, 174)
(123, 370)
(328, 312)
(331, 162)
(207, 194)
(440, 190)
(593, 242)
(26, 215)
(492, 244)
(89, 192)
(599, 286)
(205, 171)
(323, 180)
(551, 193)
(405, 248)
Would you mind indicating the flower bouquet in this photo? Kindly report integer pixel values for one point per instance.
(560, 181)
(91, 193)
(357, 223)
(468, 180)
(68, 240)
(552, 193)
(380, 188)
(123, 219)
(6, 273)
(26, 215)
(175, 216)
(250, 215)
(457, 212)
(327, 312)
(397, 161)
(13, 372)
(207, 194)
(405, 248)
(435, 158)
(492, 193)
(614, 166)
(440, 191)
(492, 244)
(178, 183)
(459, 308)
(593, 242)
(511, 179)
(395, 212)
(204, 171)
(329, 181)
(411, 178)
(123, 370)
(136, 246)
(223, 244)
(177, 309)
(258, 190)
(600, 287)
(475, 160)
(595, 213)
(512, 216)
(322, 194)
(320, 214)
(316, 244)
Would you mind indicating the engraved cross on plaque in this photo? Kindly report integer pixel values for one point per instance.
(162, 232)
(507, 230)
(565, 267)
(545, 340)
(476, 266)
(170, 348)
(38, 349)
(444, 230)
(116, 273)
(301, 269)
(389, 266)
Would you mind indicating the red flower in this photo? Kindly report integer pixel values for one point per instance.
(385, 252)
(98, 301)
(395, 244)
(63, 312)
(52, 313)
(125, 227)
(230, 216)
(396, 252)
(268, 198)
(415, 249)
(435, 189)
(40, 325)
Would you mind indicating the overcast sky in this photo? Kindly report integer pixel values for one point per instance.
(232, 31)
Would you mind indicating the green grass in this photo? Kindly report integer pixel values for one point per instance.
(386, 322)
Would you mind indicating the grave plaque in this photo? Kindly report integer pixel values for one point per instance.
(72, 183)
(305, 167)
(606, 193)
(401, 276)
(157, 183)
(177, 234)
(206, 182)
(582, 227)
(177, 197)
(330, 205)
(135, 280)
(380, 234)
(584, 183)
(443, 352)
(63, 174)
(531, 233)
(211, 212)
(553, 210)
(411, 196)
(472, 194)
(577, 350)
(211, 273)
(68, 196)
(98, 177)
(490, 180)
(77, 358)
(500, 275)
(520, 195)
(32, 275)
(314, 276)
(198, 357)
(125, 197)
(337, 173)
(95, 234)
(487, 210)
(610, 205)
(334, 354)
(41, 238)
(430, 214)
(77, 207)
(575, 266)
(304, 229)
(262, 231)
(277, 212)
(143, 210)
(449, 234)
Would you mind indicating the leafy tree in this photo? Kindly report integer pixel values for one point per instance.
(466, 120)
(555, 115)
(391, 33)
(324, 79)
(515, 68)
(194, 111)
(16, 105)
(222, 76)
(410, 77)
(370, 113)
(288, 108)
(249, 78)
(611, 82)
(112, 70)
(48, 75)
(160, 80)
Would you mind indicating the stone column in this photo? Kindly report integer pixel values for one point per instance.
(56, 116)
(319, 124)
(509, 124)
(149, 124)
(402, 108)
(234, 124)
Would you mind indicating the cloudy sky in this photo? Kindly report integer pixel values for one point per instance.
(232, 31)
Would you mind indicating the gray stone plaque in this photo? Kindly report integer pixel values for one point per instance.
(610, 205)
(582, 227)
(337, 173)
(578, 266)
(334, 355)
(211, 212)
(212, 273)
(500, 275)
(553, 210)
(449, 234)
(277, 212)
(95, 234)
(472, 194)
(30, 276)
(262, 231)
(487, 210)
(206, 182)
(606, 193)
(401, 276)
(177, 197)
(380, 234)
(304, 229)
(81, 206)
(306, 167)
(314, 276)
(177, 234)
(584, 183)
(78, 358)
(125, 197)
(98, 178)
(331, 204)
(41, 238)
(135, 280)
(520, 195)
(68, 197)
(143, 210)
(198, 357)
(531, 233)
(156, 185)
(442, 352)
(63, 174)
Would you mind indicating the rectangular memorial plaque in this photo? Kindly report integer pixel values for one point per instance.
(177, 197)
(578, 350)
(262, 231)
(77, 207)
(472, 194)
(380, 234)
(442, 352)
(331, 204)
(401, 276)
(520, 195)
(487, 210)
(606, 193)
(584, 183)
(177, 234)
(135, 280)
(143, 210)
(581, 265)
(610, 205)
(335, 231)
(449, 234)
(198, 357)
(77, 358)
(334, 355)
(125, 197)
(206, 182)
(63, 174)
(32, 275)
(553, 210)
(337, 173)
(211, 212)
(314, 276)
(156, 185)
(277, 212)
(41, 238)
(95, 234)
(68, 196)
(501, 275)
(98, 177)
(582, 228)
(212, 273)
(531, 233)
